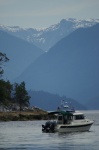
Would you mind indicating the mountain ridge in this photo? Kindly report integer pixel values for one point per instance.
(47, 37)
(49, 101)
(20, 54)
(70, 67)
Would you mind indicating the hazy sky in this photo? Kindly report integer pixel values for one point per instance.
(43, 13)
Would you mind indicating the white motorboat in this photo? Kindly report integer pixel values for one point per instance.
(68, 120)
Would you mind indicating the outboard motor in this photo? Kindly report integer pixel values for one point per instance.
(49, 126)
(46, 127)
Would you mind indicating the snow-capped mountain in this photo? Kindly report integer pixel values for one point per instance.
(46, 38)
(71, 67)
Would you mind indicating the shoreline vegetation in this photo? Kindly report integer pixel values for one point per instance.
(23, 116)
(15, 101)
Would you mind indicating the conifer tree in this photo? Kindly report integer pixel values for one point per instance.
(3, 58)
(5, 87)
(21, 95)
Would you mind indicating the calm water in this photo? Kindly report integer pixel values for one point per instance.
(27, 135)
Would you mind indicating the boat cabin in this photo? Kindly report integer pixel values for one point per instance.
(68, 117)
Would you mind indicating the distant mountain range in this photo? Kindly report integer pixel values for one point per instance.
(47, 37)
(70, 65)
(69, 68)
(50, 102)
(20, 53)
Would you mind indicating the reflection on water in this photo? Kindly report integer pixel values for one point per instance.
(27, 135)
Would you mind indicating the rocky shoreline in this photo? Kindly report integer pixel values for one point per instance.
(23, 116)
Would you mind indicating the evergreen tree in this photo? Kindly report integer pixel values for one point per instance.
(21, 95)
(5, 87)
(5, 92)
(3, 58)
(12, 93)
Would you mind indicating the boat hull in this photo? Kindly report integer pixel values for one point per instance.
(74, 128)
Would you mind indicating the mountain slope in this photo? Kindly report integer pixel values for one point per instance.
(20, 53)
(48, 101)
(46, 38)
(71, 67)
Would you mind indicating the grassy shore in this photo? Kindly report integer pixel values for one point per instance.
(23, 116)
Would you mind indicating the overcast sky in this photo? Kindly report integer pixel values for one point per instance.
(43, 13)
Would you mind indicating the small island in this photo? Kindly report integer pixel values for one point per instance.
(25, 115)
(14, 100)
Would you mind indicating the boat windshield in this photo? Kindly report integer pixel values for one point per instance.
(79, 117)
(64, 119)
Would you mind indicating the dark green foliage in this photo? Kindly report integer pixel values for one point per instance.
(21, 95)
(5, 92)
(5, 87)
(12, 93)
(15, 93)
(3, 58)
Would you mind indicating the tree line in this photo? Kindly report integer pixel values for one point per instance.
(12, 93)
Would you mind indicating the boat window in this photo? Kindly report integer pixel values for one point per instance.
(60, 117)
(70, 117)
(79, 117)
(67, 119)
(60, 120)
